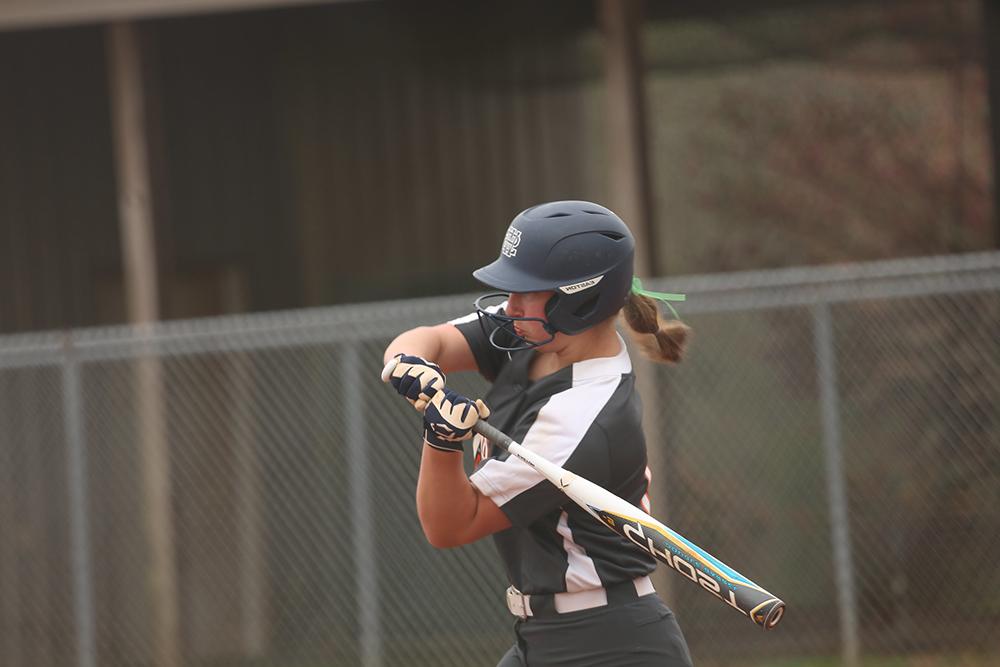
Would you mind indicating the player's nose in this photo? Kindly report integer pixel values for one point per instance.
(515, 305)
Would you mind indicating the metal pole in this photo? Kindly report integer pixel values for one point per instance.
(12, 627)
(254, 633)
(76, 470)
(840, 533)
(365, 561)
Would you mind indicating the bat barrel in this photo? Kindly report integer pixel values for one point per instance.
(656, 539)
(690, 561)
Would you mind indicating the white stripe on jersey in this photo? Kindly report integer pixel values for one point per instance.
(471, 317)
(581, 573)
(559, 427)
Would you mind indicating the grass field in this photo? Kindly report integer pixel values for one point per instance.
(925, 660)
(928, 660)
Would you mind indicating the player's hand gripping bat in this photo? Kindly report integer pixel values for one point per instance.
(646, 533)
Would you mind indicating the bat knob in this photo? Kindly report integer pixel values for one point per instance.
(774, 615)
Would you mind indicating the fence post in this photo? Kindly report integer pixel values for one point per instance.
(254, 632)
(76, 472)
(11, 618)
(826, 368)
(365, 562)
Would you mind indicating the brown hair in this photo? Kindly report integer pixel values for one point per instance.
(660, 339)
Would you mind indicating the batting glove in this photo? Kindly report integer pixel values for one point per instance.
(416, 379)
(449, 418)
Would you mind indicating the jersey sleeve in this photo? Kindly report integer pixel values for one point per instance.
(477, 331)
(519, 490)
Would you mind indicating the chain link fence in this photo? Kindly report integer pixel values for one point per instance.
(239, 491)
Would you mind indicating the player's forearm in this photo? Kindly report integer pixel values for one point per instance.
(446, 501)
(422, 341)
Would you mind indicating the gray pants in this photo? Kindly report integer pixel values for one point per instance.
(642, 633)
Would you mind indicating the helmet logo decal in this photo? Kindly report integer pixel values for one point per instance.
(576, 287)
(511, 241)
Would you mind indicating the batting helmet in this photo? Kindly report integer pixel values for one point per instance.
(580, 250)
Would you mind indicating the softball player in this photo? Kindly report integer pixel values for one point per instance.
(563, 387)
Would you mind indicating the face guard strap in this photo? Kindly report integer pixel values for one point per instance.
(506, 323)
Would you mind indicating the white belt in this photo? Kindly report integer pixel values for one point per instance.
(520, 605)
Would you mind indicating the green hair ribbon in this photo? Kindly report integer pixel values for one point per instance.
(665, 297)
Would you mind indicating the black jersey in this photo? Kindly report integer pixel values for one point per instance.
(586, 418)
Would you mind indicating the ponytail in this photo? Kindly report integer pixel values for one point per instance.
(660, 339)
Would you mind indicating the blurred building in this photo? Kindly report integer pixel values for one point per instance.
(164, 159)
(309, 153)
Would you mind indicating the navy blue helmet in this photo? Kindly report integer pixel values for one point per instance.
(580, 250)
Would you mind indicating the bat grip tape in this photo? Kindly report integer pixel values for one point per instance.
(493, 434)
